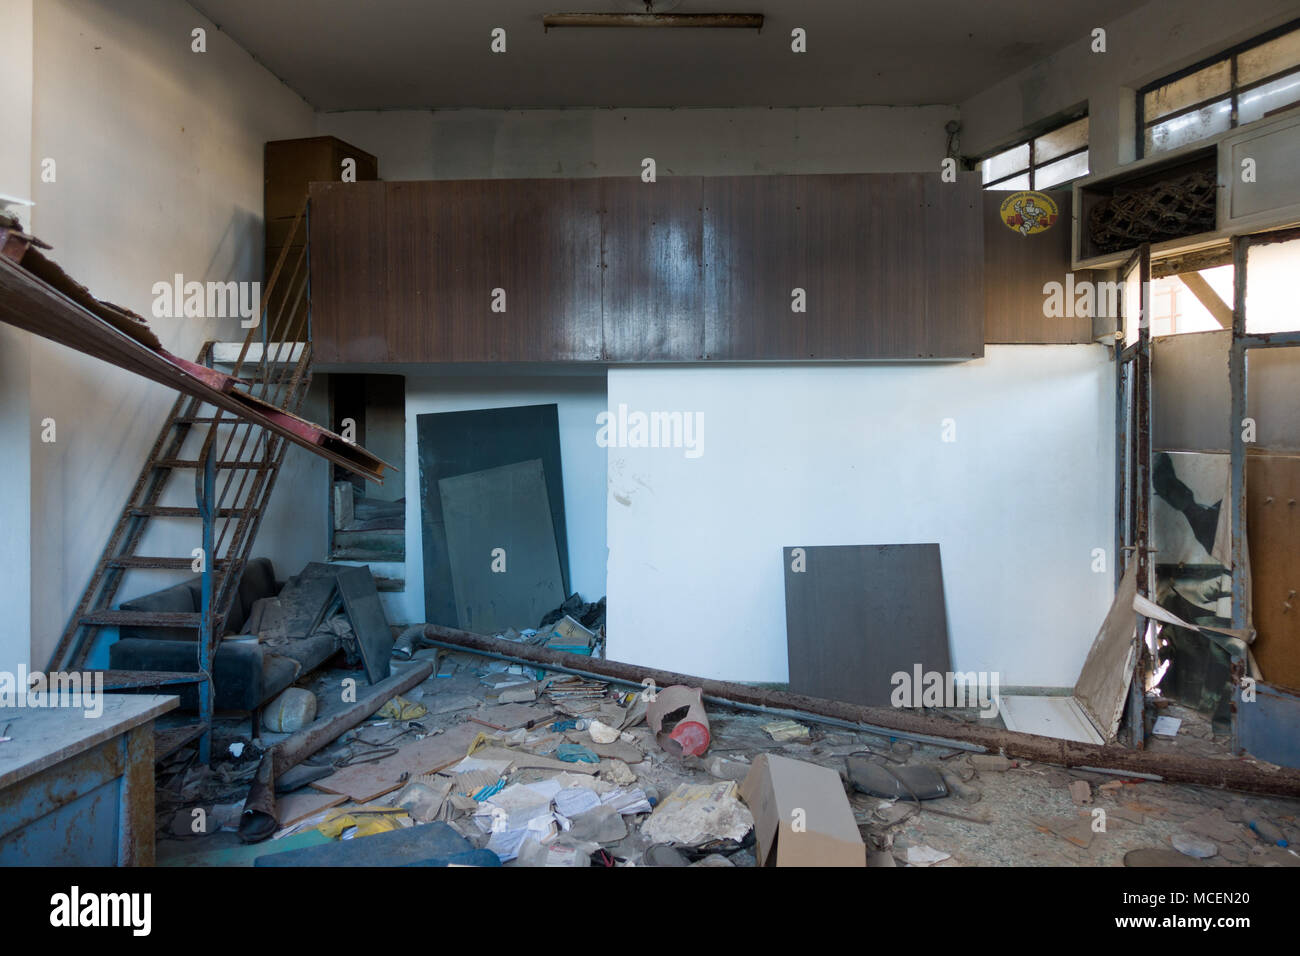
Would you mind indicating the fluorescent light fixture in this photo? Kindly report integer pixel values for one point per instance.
(741, 21)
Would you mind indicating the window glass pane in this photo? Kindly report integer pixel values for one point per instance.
(1006, 163)
(1253, 104)
(1202, 85)
(1015, 182)
(1175, 309)
(1269, 58)
(1132, 305)
(1068, 138)
(1189, 127)
(1271, 301)
(1061, 171)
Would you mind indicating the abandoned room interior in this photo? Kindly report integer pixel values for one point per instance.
(653, 434)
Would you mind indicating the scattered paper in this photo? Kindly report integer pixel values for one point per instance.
(925, 855)
(697, 813)
(1167, 726)
(782, 730)
(575, 800)
(627, 801)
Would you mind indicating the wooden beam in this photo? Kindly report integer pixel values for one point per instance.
(1208, 297)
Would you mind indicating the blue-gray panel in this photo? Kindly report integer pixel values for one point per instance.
(433, 844)
(81, 833)
(1269, 727)
(456, 443)
(501, 508)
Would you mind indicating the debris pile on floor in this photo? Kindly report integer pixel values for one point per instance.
(459, 757)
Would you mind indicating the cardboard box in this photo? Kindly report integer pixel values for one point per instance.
(801, 815)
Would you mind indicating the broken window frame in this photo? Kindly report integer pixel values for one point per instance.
(1133, 467)
(1180, 266)
(1034, 165)
(1242, 343)
(1232, 93)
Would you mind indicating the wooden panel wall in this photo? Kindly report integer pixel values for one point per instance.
(652, 295)
(406, 272)
(1015, 269)
(289, 166)
(1273, 524)
(890, 266)
(618, 270)
(451, 244)
(349, 272)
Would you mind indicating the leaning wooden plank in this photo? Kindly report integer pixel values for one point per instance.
(1103, 683)
(299, 806)
(366, 782)
(512, 716)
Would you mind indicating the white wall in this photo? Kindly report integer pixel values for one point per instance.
(159, 171)
(825, 455)
(489, 144)
(580, 398)
(1153, 41)
(15, 350)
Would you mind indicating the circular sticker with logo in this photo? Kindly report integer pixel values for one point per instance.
(1029, 213)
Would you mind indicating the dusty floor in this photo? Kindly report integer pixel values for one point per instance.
(1022, 815)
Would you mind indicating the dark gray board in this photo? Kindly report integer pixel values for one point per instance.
(457, 443)
(503, 508)
(859, 613)
(306, 597)
(369, 623)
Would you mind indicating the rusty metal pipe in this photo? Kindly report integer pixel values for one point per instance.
(727, 702)
(259, 819)
(1229, 774)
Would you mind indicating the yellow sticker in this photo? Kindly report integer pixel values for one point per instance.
(1029, 213)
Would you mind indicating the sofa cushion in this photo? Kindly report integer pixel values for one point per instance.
(235, 617)
(237, 669)
(257, 581)
(180, 598)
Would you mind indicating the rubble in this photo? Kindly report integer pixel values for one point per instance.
(582, 776)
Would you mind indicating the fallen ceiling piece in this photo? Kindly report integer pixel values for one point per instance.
(38, 296)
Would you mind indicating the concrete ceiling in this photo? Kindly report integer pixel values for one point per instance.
(373, 54)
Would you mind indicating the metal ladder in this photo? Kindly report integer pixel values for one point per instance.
(234, 474)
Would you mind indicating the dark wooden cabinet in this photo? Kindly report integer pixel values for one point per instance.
(350, 265)
(883, 266)
(458, 251)
(617, 270)
(1016, 270)
(289, 166)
